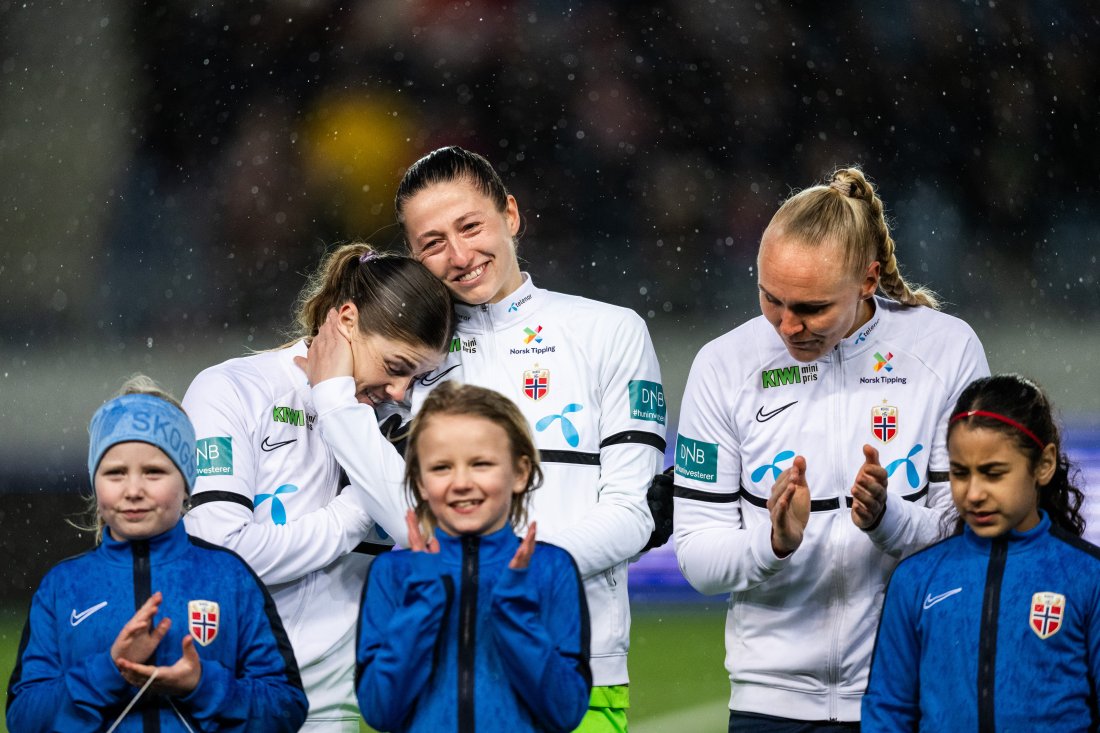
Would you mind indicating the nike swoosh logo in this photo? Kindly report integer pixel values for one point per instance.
(77, 618)
(762, 416)
(267, 446)
(429, 379)
(932, 600)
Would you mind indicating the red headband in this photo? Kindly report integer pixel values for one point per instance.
(1002, 418)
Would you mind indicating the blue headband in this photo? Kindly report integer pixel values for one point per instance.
(146, 419)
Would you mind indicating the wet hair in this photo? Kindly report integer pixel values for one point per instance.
(453, 398)
(89, 519)
(1015, 399)
(847, 210)
(444, 166)
(397, 297)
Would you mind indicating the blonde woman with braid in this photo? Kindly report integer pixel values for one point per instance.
(811, 456)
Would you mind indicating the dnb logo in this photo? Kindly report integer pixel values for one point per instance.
(202, 621)
(1047, 611)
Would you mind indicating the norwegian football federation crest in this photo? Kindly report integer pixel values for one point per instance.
(1047, 611)
(884, 422)
(536, 383)
(202, 620)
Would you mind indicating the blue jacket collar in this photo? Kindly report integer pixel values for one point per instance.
(162, 547)
(1017, 541)
(497, 545)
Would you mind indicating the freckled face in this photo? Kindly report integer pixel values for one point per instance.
(810, 296)
(459, 235)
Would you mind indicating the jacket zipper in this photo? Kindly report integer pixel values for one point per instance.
(143, 588)
(987, 639)
(467, 627)
(837, 540)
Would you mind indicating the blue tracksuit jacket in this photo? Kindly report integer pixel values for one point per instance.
(984, 635)
(456, 641)
(65, 680)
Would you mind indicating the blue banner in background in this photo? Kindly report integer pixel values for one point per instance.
(657, 577)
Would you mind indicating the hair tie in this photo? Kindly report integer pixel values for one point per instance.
(1002, 418)
(368, 256)
(849, 189)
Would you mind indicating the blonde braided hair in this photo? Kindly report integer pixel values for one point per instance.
(833, 212)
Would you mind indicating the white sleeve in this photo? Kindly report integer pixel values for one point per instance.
(909, 526)
(278, 553)
(631, 448)
(374, 467)
(717, 553)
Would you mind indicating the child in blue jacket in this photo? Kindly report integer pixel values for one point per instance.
(472, 629)
(997, 628)
(153, 629)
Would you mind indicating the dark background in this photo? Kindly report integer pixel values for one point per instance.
(168, 172)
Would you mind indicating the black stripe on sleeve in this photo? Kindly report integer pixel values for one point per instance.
(681, 492)
(371, 548)
(208, 496)
(938, 477)
(635, 436)
(569, 456)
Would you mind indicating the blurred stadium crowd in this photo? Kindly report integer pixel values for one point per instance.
(173, 167)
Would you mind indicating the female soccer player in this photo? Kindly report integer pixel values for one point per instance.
(205, 649)
(777, 417)
(474, 630)
(583, 373)
(269, 486)
(997, 628)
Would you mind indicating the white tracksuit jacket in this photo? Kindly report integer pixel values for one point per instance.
(269, 489)
(585, 375)
(800, 630)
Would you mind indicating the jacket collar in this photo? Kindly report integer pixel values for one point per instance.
(1017, 541)
(488, 317)
(162, 548)
(499, 545)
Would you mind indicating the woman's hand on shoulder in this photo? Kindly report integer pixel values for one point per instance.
(329, 354)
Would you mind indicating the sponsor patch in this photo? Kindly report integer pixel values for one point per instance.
(696, 459)
(883, 362)
(468, 346)
(517, 303)
(568, 429)
(202, 621)
(884, 422)
(793, 374)
(288, 415)
(214, 456)
(1047, 612)
(647, 401)
(532, 335)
